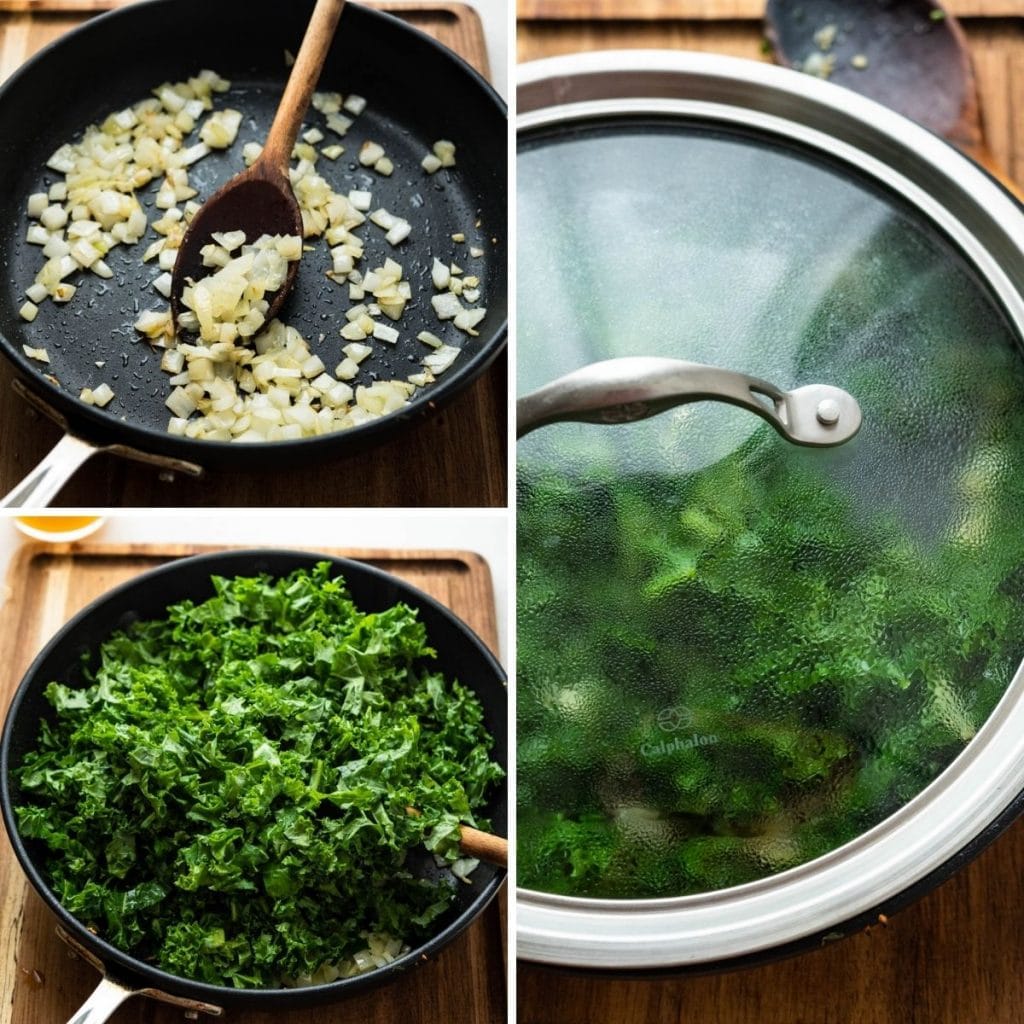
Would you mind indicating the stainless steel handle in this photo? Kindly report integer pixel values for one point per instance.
(105, 999)
(44, 482)
(636, 387)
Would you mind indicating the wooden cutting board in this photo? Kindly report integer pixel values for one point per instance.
(26, 26)
(455, 458)
(995, 31)
(41, 984)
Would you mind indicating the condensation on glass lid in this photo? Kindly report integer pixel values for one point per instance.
(735, 655)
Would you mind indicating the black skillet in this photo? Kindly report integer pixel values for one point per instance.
(461, 654)
(417, 92)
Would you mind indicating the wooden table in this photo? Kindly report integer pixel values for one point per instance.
(957, 954)
(456, 458)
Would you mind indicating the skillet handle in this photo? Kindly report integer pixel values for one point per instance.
(41, 486)
(105, 999)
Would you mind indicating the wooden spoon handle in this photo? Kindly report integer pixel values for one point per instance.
(277, 151)
(484, 846)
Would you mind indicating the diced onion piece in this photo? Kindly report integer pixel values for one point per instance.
(229, 240)
(446, 305)
(251, 152)
(353, 332)
(440, 274)
(399, 231)
(429, 339)
(475, 251)
(384, 166)
(29, 311)
(355, 105)
(37, 293)
(440, 359)
(431, 163)
(53, 217)
(384, 333)
(347, 369)
(173, 360)
(444, 150)
(339, 124)
(221, 128)
(154, 323)
(313, 136)
(469, 318)
(37, 235)
(64, 292)
(332, 152)
(180, 403)
(370, 153)
(360, 199)
(102, 396)
(37, 203)
(357, 352)
(327, 102)
(39, 354)
(163, 284)
(63, 160)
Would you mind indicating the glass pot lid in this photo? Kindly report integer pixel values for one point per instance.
(736, 655)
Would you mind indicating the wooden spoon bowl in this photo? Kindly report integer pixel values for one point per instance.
(260, 200)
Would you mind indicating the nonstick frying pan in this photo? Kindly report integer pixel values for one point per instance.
(461, 654)
(417, 92)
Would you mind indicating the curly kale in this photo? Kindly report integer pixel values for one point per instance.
(226, 796)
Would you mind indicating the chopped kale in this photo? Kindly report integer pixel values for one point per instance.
(226, 796)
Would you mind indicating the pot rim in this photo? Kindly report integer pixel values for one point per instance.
(978, 788)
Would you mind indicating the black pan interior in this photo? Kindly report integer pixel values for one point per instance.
(417, 92)
(460, 654)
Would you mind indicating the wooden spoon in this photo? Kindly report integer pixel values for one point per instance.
(482, 845)
(260, 200)
(911, 55)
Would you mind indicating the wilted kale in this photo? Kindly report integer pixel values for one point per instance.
(227, 795)
(728, 673)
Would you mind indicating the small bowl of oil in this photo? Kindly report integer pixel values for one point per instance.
(58, 528)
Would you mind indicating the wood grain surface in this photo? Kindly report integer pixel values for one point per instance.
(997, 50)
(455, 458)
(46, 585)
(956, 955)
(714, 10)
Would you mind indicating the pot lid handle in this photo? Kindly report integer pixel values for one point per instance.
(636, 387)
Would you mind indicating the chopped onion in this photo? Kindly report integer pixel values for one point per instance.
(446, 305)
(242, 378)
(102, 395)
(370, 153)
(29, 311)
(440, 359)
(440, 274)
(444, 150)
(39, 354)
